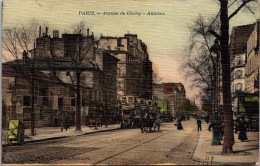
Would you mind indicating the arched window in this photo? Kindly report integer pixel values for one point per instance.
(239, 61)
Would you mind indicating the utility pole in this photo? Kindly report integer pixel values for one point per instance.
(32, 83)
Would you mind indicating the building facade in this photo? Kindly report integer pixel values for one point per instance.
(238, 51)
(252, 58)
(173, 93)
(134, 69)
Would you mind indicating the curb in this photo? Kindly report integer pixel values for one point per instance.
(222, 163)
(197, 159)
(60, 137)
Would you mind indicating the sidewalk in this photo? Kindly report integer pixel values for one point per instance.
(245, 153)
(48, 133)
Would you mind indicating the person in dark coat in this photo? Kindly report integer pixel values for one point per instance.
(66, 122)
(179, 125)
(199, 125)
(242, 130)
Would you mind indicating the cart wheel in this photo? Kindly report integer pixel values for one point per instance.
(150, 129)
(9, 142)
(21, 139)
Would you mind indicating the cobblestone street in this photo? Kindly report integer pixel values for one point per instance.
(126, 146)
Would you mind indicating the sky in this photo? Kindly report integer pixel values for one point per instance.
(166, 36)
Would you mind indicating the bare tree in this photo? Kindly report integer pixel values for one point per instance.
(18, 41)
(200, 65)
(79, 28)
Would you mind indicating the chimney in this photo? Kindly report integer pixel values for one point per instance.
(40, 31)
(24, 57)
(46, 32)
(55, 33)
(88, 32)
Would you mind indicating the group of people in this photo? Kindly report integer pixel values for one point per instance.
(241, 125)
(179, 125)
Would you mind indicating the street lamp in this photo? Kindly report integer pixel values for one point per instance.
(214, 50)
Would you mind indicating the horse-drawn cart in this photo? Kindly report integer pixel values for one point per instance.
(150, 122)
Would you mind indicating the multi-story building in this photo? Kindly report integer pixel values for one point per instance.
(252, 58)
(134, 69)
(173, 93)
(72, 53)
(238, 49)
(251, 99)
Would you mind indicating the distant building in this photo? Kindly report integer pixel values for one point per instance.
(173, 93)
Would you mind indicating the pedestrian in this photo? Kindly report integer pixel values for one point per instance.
(199, 125)
(247, 123)
(179, 125)
(221, 131)
(66, 122)
(242, 130)
(236, 123)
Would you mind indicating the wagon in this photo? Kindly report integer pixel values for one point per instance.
(15, 132)
(150, 123)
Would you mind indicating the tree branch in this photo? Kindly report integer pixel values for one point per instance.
(239, 8)
(214, 34)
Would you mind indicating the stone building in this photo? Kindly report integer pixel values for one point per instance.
(173, 93)
(238, 50)
(252, 58)
(244, 49)
(251, 99)
(134, 69)
(52, 98)
(64, 57)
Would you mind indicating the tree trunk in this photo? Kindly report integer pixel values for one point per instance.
(78, 125)
(225, 60)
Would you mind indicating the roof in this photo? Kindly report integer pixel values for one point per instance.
(239, 37)
(53, 63)
(10, 71)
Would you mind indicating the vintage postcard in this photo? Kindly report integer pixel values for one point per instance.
(130, 82)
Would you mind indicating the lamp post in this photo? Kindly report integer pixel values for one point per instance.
(214, 50)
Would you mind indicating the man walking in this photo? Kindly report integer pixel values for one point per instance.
(199, 125)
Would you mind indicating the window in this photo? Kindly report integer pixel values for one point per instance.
(100, 96)
(43, 88)
(238, 87)
(239, 61)
(72, 92)
(45, 101)
(60, 102)
(26, 101)
(72, 102)
(90, 95)
(239, 74)
(55, 73)
(84, 102)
